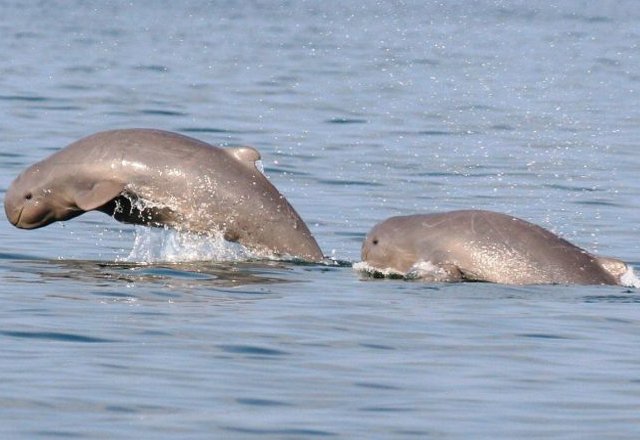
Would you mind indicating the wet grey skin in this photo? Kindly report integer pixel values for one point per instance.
(475, 245)
(160, 178)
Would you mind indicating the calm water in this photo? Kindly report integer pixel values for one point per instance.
(361, 111)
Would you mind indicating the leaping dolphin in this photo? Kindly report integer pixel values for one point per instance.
(160, 178)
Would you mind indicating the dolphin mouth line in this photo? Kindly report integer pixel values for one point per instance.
(17, 222)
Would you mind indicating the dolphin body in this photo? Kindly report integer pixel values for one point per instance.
(160, 178)
(474, 245)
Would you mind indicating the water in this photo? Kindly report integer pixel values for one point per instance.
(361, 111)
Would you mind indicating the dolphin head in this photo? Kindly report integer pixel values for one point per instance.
(35, 200)
(383, 247)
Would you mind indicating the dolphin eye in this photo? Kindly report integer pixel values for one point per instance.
(374, 241)
(28, 196)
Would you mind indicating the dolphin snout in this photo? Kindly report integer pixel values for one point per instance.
(17, 217)
(14, 214)
(12, 209)
(364, 251)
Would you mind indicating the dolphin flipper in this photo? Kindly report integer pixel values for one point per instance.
(99, 194)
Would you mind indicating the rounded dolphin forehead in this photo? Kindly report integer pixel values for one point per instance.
(392, 227)
(28, 178)
(40, 173)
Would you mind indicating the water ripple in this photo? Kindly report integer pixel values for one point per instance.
(252, 350)
(541, 336)
(282, 433)
(346, 121)
(54, 336)
(162, 112)
(260, 402)
(24, 98)
(206, 130)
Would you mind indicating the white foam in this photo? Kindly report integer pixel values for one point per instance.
(365, 268)
(422, 270)
(154, 245)
(426, 270)
(630, 279)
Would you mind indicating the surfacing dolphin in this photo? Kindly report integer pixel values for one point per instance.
(160, 178)
(476, 245)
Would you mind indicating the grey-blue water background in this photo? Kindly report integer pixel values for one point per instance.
(361, 111)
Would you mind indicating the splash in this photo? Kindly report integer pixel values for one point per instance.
(422, 270)
(156, 245)
(426, 270)
(260, 166)
(630, 279)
